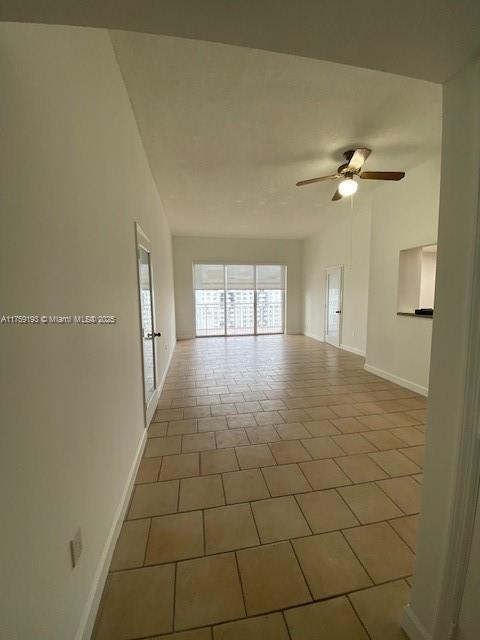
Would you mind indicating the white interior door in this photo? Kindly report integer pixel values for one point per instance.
(147, 324)
(333, 306)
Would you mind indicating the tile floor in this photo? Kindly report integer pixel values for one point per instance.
(277, 499)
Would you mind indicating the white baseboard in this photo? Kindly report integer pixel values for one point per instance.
(412, 625)
(87, 620)
(358, 352)
(314, 336)
(402, 382)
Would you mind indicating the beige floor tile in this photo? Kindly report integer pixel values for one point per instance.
(407, 529)
(162, 446)
(254, 456)
(208, 591)
(383, 439)
(285, 479)
(158, 429)
(353, 443)
(294, 415)
(381, 551)
(349, 425)
(182, 427)
(219, 423)
(333, 620)
(196, 412)
(368, 408)
(165, 415)
(224, 409)
(324, 474)
(269, 627)
(395, 463)
(374, 422)
(405, 492)
(292, 431)
(262, 435)
(198, 442)
(229, 528)
(130, 548)
(267, 417)
(320, 448)
(361, 468)
(329, 565)
(416, 454)
(241, 421)
(400, 419)
(380, 609)
(231, 438)
(244, 486)
(411, 436)
(195, 634)
(289, 451)
(155, 499)
(272, 405)
(279, 519)
(175, 537)
(201, 493)
(248, 407)
(346, 411)
(326, 511)
(183, 465)
(271, 578)
(137, 603)
(318, 428)
(148, 470)
(418, 477)
(369, 503)
(320, 413)
(218, 461)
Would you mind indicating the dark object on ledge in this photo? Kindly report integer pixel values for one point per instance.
(424, 312)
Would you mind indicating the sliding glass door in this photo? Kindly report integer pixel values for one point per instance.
(239, 299)
(270, 295)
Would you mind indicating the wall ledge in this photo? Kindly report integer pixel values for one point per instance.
(412, 625)
(402, 382)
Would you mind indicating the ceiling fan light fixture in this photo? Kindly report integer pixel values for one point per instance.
(347, 187)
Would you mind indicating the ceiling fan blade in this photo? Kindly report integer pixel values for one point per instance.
(382, 175)
(312, 180)
(358, 158)
(337, 195)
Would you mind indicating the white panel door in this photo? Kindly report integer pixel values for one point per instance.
(333, 306)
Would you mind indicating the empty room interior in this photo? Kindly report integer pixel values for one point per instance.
(240, 302)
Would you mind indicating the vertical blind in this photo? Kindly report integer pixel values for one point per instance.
(239, 276)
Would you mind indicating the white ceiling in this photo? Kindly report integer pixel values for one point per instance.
(428, 39)
(229, 130)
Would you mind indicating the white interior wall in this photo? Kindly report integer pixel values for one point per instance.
(404, 215)
(459, 209)
(73, 179)
(188, 250)
(427, 282)
(345, 240)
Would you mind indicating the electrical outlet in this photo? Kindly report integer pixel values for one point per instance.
(76, 546)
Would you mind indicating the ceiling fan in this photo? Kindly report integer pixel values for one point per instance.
(355, 159)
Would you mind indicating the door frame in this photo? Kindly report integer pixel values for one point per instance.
(149, 408)
(338, 267)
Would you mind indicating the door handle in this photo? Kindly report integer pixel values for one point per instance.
(338, 311)
(154, 335)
